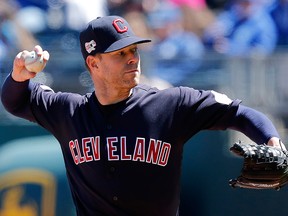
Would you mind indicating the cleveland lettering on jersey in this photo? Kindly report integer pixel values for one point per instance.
(88, 149)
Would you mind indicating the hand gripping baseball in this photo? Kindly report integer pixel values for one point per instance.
(36, 60)
(264, 167)
(28, 64)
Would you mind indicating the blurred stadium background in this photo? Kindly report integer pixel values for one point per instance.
(32, 174)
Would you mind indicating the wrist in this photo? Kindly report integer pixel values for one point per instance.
(21, 77)
(276, 142)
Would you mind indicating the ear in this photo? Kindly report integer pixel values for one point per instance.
(91, 62)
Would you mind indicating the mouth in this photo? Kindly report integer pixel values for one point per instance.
(132, 71)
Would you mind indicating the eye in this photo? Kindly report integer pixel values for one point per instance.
(134, 50)
(121, 53)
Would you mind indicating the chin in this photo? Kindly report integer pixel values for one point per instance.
(132, 83)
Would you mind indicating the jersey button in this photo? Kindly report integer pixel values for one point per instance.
(112, 169)
(109, 127)
(115, 198)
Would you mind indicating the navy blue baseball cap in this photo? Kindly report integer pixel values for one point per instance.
(107, 34)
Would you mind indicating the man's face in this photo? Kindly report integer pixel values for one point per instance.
(121, 68)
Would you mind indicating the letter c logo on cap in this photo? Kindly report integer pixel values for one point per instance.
(117, 23)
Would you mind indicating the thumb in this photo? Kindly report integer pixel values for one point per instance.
(20, 73)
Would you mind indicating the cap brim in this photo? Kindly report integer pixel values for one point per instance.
(124, 42)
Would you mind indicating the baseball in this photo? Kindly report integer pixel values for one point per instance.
(35, 63)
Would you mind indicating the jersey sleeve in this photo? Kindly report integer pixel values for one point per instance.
(206, 109)
(52, 109)
(254, 124)
(210, 110)
(15, 97)
(38, 103)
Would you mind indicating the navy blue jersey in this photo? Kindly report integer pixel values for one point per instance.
(125, 158)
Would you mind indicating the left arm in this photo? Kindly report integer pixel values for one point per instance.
(256, 126)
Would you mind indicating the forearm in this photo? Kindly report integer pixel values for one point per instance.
(255, 125)
(15, 96)
(16, 90)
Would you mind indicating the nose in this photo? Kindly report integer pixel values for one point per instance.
(133, 57)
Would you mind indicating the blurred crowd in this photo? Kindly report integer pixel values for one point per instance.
(183, 32)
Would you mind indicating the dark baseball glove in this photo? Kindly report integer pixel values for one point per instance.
(264, 167)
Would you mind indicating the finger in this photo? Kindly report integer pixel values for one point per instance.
(38, 49)
(24, 54)
(20, 58)
(46, 55)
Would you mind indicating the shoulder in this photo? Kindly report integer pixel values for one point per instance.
(144, 89)
(176, 94)
(183, 98)
(46, 93)
(173, 91)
